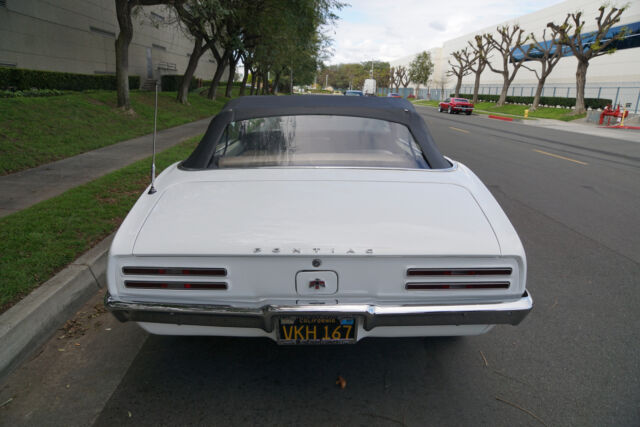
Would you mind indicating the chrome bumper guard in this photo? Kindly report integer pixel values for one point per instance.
(373, 315)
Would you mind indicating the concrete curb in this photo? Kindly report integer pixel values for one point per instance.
(32, 321)
(504, 118)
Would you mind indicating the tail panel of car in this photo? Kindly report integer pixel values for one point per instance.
(348, 278)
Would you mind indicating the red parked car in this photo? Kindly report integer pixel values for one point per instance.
(456, 105)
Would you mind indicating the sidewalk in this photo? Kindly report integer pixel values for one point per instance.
(577, 126)
(581, 126)
(23, 189)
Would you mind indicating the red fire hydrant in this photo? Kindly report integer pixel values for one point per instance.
(610, 112)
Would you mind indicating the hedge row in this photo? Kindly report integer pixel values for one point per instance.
(593, 103)
(22, 79)
(171, 83)
(31, 93)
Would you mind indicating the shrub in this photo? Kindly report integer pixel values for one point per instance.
(30, 93)
(171, 83)
(22, 79)
(551, 101)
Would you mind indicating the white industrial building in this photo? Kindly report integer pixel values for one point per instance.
(615, 76)
(78, 36)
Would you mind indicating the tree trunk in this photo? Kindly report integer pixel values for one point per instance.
(476, 85)
(245, 77)
(213, 89)
(196, 53)
(581, 79)
(458, 85)
(254, 82)
(536, 98)
(265, 83)
(505, 89)
(232, 74)
(123, 13)
(276, 83)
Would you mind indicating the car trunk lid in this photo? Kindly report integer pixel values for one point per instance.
(305, 218)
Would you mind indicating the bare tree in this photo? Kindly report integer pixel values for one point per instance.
(124, 10)
(440, 83)
(547, 53)
(510, 40)
(462, 66)
(397, 80)
(403, 76)
(590, 45)
(392, 77)
(481, 49)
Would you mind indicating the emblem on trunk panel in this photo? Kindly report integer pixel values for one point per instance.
(317, 283)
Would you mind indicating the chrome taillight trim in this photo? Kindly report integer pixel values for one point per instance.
(147, 284)
(174, 271)
(448, 272)
(447, 286)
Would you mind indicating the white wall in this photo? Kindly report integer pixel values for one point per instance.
(619, 69)
(73, 36)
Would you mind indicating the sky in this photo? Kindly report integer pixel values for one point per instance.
(386, 29)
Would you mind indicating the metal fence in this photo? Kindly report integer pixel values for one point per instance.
(622, 95)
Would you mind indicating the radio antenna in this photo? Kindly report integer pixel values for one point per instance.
(153, 159)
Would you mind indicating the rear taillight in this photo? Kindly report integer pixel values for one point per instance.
(435, 272)
(175, 271)
(140, 284)
(455, 286)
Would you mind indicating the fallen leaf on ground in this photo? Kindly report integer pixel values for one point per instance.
(341, 382)
(73, 329)
(486, 364)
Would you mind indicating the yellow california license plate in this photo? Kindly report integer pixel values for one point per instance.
(316, 330)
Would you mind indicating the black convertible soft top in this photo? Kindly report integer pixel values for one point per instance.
(249, 107)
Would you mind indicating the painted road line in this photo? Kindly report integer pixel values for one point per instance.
(459, 130)
(561, 157)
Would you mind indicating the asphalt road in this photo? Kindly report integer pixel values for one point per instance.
(574, 200)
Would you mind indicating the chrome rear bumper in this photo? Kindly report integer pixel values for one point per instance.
(372, 315)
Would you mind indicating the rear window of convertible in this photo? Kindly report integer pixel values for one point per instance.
(314, 140)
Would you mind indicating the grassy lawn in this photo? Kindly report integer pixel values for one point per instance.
(41, 240)
(426, 103)
(34, 131)
(563, 114)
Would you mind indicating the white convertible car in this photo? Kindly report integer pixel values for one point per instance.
(317, 219)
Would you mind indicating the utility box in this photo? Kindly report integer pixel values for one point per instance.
(369, 88)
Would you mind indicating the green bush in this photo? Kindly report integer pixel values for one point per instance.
(22, 79)
(551, 101)
(31, 93)
(171, 83)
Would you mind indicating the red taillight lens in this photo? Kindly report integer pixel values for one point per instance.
(175, 271)
(138, 284)
(459, 271)
(455, 286)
